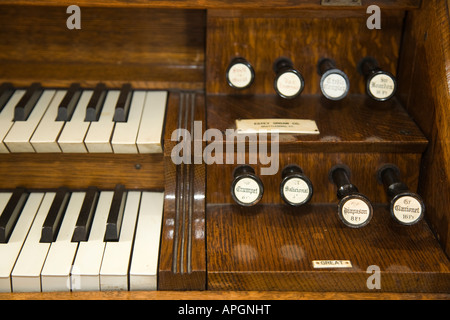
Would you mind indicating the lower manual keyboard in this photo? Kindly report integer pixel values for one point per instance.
(33, 260)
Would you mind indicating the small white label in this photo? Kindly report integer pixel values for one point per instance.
(407, 209)
(289, 84)
(326, 264)
(355, 211)
(296, 190)
(334, 85)
(381, 86)
(240, 75)
(247, 190)
(278, 125)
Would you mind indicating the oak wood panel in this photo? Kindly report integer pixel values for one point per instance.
(304, 38)
(424, 77)
(354, 124)
(203, 4)
(272, 248)
(316, 167)
(222, 295)
(48, 171)
(149, 47)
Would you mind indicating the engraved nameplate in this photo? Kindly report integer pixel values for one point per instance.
(277, 125)
(325, 264)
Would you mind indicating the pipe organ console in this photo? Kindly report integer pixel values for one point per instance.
(183, 146)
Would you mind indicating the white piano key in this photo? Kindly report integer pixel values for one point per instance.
(10, 251)
(18, 138)
(7, 118)
(125, 133)
(152, 122)
(116, 260)
(46, 135)
(98, 138)
(144, 263)
(26, 275)
(72, 136)
(85, 275)
(55, 275)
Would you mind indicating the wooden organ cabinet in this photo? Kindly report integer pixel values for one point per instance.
(207, 243)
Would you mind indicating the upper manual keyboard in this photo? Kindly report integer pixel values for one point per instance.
(80, 120)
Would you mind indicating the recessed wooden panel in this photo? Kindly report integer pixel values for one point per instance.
(272, 248)
(316, 167)
(304, 37)
(151, 48)
(44, 171)
(354, 124)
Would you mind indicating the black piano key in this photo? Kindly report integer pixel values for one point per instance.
(6, 91)
(115, 216)
(11, 213)
(123, 104)
(84, 221)
(52, 222)
(95, 105)
(27, 103)
(67, 105)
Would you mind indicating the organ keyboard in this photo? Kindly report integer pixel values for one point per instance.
(30, 264)
(41, 131)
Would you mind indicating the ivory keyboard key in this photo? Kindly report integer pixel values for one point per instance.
(116, 260)
(44, 139)
(10, 213)
(98, 138)
(52, 223)
(152, 122)
(123, 104)
(7, 118)
(18, 138)
(55, 275)
(6, 91)
(125, 133)
(26, 105)
(85, 274)
(67, 105)
(144, 263)
(71, 139)
(84, 222)
(10, 251)
(95, 105)
(26, 275)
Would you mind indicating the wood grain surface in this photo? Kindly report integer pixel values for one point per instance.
(270, 247)
(150, 48)
(304, 38)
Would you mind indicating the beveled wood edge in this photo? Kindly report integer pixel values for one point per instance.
(221, 295)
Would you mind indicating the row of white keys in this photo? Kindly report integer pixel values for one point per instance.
(99, 135)
(9, 251)
(142, 133)
(86, 268)
(19, 136)
(72, 136)
(7, 118)
(26, 275)
(56, 272)
(45, 138)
